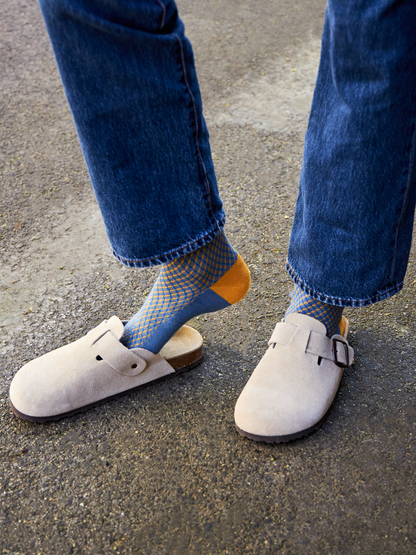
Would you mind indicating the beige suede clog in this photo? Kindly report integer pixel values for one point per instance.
(294, 384)
(95, 369)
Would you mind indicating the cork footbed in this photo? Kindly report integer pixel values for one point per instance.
(184, 348)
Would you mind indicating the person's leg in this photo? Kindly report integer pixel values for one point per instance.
(352, 230)
(130, 79)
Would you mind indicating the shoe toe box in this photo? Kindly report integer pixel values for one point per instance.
(285, 398)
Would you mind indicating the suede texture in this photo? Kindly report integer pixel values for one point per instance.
(72, 377)
(295, 382)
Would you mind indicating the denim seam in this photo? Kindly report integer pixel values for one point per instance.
(338, 301)
(196, 130)
(406, 199)
(162, 23)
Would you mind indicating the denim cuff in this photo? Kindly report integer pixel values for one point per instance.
(385, 293)
(173, 254)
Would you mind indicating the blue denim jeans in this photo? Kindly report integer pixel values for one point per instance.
(129, 76)
(353, 223)
(130, 79)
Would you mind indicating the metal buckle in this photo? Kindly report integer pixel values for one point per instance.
(335, 354)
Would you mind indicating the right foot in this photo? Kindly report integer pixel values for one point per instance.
(206, 280)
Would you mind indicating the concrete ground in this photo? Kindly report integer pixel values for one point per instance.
(164, 471)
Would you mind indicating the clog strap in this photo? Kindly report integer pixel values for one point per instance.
(335, 348)
(116, 355)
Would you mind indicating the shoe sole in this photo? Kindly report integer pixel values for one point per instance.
(285, 438)
(180, 363)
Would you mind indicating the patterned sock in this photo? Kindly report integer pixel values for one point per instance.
(206, 280)
(328, 314)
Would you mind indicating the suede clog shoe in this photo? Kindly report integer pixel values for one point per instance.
(294, 384)
(95, 369)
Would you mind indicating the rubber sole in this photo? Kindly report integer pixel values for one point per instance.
(285, 438)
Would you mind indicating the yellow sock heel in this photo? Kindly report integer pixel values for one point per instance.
(235, 283)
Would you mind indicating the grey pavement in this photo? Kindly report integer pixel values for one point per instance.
(163, 471)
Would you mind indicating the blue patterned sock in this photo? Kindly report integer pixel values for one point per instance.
(328, 314)
(206, 280)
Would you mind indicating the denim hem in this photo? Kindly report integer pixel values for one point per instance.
(174, 254)
(388, 292)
